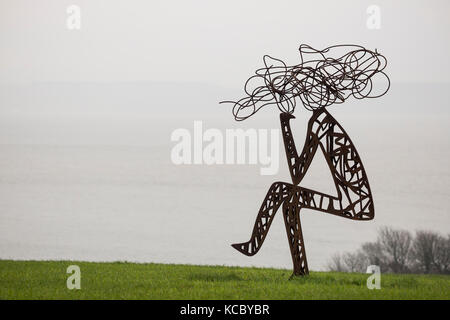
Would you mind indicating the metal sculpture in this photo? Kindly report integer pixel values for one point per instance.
(327, 77)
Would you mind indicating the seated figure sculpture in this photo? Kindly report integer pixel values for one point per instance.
(320, 80)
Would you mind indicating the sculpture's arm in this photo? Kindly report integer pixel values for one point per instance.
(298, 164)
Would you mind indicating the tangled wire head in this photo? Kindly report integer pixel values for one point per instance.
(322, 78)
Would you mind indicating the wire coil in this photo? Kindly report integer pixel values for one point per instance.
(322, 78)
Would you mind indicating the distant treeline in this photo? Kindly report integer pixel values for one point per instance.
(398, 251)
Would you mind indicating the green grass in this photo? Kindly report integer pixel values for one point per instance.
(47, 280)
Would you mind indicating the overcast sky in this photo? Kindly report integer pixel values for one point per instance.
(85, 158)
(212, 42)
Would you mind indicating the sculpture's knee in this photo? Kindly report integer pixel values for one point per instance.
(371, 212)
(367, 213)
(281, 184)
(280, 190)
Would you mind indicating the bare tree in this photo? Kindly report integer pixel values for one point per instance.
(396, 251)
(395, 245)
(430, 252)
(355, 262)
(375, 254)
(348, 262)
(336, 264)
(442, 255)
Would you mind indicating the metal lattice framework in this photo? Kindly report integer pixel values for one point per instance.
(354, 198)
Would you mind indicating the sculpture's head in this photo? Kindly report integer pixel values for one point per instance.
(322, 78)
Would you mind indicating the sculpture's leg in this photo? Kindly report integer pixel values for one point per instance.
(291, 214)
(276, 195)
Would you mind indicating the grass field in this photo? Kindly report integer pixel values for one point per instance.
(47, 280)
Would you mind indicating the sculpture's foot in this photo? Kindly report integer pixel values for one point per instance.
(243, 248)
(298, 276)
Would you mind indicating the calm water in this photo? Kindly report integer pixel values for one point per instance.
(104, 189)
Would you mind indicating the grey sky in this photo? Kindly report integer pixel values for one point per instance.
(210, 42)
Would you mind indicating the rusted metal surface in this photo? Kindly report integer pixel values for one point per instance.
(318, 83)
